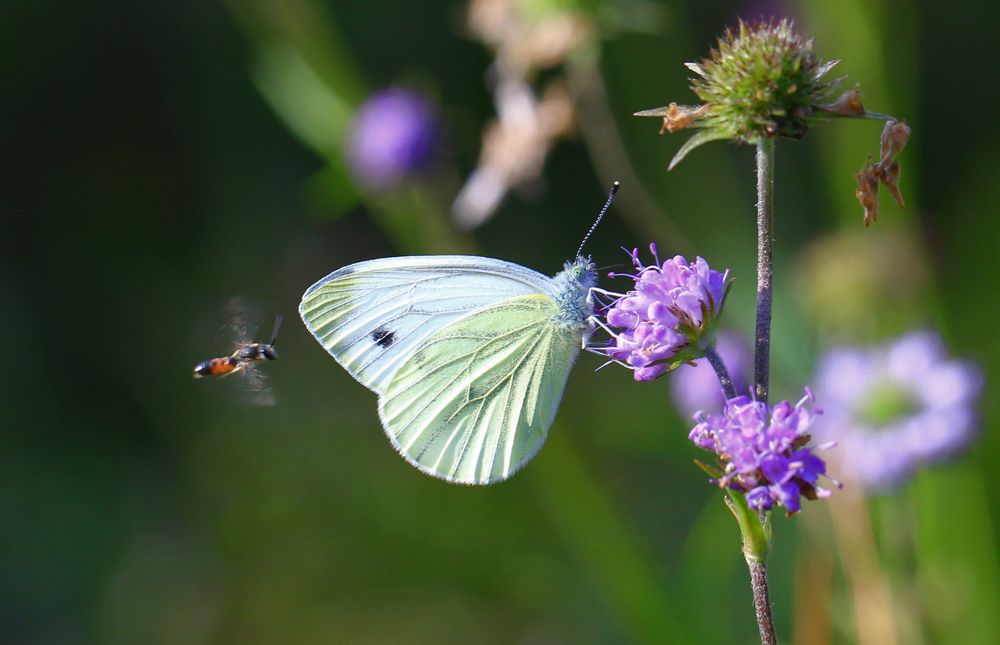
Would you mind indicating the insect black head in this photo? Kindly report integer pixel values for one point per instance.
(269, 352)
(383, 337)
(203, 369)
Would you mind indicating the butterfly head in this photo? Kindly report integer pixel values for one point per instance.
(573, 284)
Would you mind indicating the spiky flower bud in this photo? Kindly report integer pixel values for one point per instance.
(762, 80)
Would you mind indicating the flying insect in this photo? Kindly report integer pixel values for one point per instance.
(244, 360)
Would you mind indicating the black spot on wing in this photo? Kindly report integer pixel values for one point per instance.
(383, 337)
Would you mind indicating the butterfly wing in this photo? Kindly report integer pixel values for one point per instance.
(372, 316)
(474, 403)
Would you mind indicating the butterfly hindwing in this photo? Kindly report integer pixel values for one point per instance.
(372, 316)
(475, 401)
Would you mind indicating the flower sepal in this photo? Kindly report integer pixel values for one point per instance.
(676, 117)
(709, 469)
(755, 527)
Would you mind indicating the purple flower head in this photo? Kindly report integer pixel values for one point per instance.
(762, 451)
(765, 10)
(897, 407)
(695, 386)
(394, 134)
(668, 318)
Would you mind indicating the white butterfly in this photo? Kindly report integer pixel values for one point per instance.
(469, 356)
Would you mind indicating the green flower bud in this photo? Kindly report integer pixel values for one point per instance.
(762, 81)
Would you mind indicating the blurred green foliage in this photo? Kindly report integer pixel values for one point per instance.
(163, 157)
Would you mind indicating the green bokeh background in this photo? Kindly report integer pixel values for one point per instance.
(156, 166)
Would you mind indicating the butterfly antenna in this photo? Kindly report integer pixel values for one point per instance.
(600, 216)
(277, 326)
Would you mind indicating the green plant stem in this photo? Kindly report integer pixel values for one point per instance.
(762, 601)
(720, 370)
(756, 561)
(755, 530)
(765, 267)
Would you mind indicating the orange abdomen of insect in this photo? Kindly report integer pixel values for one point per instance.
(216, 367)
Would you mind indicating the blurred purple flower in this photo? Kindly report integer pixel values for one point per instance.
(764, 10)
(394, 134)
(666, 317)
(696, 387)
(897, 407)
(762, 451)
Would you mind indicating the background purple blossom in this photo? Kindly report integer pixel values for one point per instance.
(896, 407)
(394, 134)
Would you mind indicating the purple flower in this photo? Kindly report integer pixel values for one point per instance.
(897, 407)
(762, 451)
(765, 10)
(695, 386)
(393, 135)
(667, 319)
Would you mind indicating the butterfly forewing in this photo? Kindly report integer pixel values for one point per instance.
(475, 401)
(372, 316)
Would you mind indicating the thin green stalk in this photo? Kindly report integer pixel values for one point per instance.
(756, 562)
(720, 370)
(765, 266)
(762, 601)
(756, 532)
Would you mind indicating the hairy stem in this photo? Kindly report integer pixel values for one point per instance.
(762, 351)
(761, 601)
(720, 370)
(765, 268)
(755, 530)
